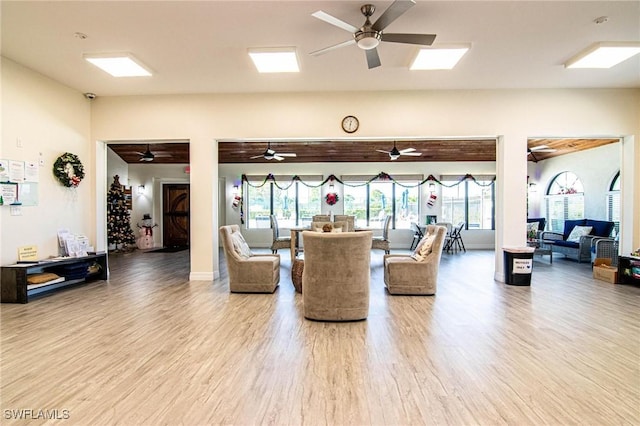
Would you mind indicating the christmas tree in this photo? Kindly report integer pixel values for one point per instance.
(119, 230)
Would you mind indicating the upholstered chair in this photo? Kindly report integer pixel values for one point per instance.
(278, 241)
(351, 221)
(416, 274)
(335, 226)
(336, 275)
(248, 272)
(382, 243)
(321, 218)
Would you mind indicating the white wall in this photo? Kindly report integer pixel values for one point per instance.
(596, 169)
(49, 119)
(513, 115)
(399, 238)
(116, 166)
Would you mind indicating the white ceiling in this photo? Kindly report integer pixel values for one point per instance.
(201, 46)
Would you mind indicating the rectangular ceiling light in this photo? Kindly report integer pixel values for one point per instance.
(275, 60)
(439, 58)
(119, 64)
(604, 55)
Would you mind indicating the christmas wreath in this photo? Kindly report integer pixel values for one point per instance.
(68, 170)
(332, 198)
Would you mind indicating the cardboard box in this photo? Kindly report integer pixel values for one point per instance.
(603, 271)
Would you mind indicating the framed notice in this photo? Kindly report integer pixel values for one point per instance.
(9, 193)
(16, 171)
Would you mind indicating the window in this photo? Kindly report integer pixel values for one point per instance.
(613, 202)
(471, 202)
(564, 200)
(292, 203)
(371, 202)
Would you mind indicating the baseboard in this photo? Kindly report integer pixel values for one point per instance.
(204, 276)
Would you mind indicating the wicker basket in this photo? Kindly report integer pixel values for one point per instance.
(296, 274)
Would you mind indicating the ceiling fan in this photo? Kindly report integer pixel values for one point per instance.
(540, 148)
(150, 156)
(395, 153)
(270, 154)
(370, 35)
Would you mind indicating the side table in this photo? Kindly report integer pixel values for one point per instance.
(542, 247)
(297, 267)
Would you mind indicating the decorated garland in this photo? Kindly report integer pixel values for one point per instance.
(68, 170)
(329, 198)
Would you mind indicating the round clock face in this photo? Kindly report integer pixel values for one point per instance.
(350, 124)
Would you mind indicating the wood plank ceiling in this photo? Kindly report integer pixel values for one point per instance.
(234, 152)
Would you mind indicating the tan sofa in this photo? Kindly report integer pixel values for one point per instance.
(258, 273)
(336, 275)
(405, 275)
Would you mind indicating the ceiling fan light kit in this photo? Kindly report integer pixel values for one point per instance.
(369, 36)
(270, 154)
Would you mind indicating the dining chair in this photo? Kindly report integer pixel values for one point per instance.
(278, 241)
(455, 240)
(382, 243)
(417, 235)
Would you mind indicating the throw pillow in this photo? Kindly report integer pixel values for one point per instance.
(240, 246)
(577, 232)
(424, 247)
(532, 230)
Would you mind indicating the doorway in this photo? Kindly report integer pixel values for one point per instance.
(175, 215)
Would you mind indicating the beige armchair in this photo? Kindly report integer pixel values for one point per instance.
(248, 272)
(403, 274)
(351, 221)
(336, 275)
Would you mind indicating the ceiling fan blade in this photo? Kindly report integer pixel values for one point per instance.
(286, 154)
(541, 148)
(413, 154)
(323, 16)
(278, 157)
(392, 13)
(402, 151)
(334, 47)
(139, 153)
(422, 39)
(373, 60)
(256, 156)
(380, 150)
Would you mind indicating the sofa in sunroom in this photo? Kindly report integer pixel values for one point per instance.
(575, 241)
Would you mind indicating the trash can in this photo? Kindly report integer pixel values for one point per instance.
(518, 265)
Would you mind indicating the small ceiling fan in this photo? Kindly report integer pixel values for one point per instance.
(270, 154)
(150, 156)
(540, 148)
(394, 154)
(370, 35)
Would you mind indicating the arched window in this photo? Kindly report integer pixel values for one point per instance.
(613, 201)
(564, 200)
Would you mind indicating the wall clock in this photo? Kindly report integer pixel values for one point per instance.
(350, 124)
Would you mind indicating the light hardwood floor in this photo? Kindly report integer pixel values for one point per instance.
(150, 347)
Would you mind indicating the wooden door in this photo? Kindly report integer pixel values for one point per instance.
(175, 215)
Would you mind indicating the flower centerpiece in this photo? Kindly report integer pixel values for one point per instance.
(331, 198)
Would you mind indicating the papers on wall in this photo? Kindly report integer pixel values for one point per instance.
(16, 171)
(31, 171)
(9, 193)
(4, 170)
